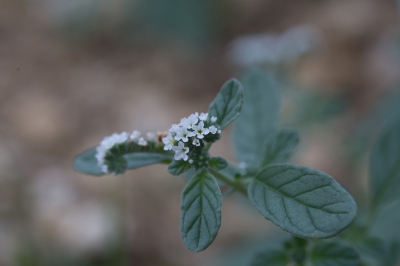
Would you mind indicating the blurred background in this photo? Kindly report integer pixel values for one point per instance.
(72, 72)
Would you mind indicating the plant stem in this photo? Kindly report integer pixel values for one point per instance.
(237, 186)
(207, 147)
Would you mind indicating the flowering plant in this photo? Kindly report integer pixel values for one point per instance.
(304, 202)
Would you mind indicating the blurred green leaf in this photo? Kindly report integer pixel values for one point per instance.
(178, 167)
(193, 22)
(86, 163)
(393, 255)
(228, 103)
(384, 164)
(334, 254)
(374, 247)
(302, 201)
(280, 146)
(273, 257)
(387, 220)
(201, 204)
(218, 163)
(258, 118)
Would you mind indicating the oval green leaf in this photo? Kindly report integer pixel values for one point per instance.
(201, 204)
(259, 117)
(178, 167)
(226, 106)
(334, 254)
(86, 163)
(140, 159)
(302, 201)
(218, 163)
(280, 146)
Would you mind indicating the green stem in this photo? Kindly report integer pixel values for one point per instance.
(207, 147)
(237, 186)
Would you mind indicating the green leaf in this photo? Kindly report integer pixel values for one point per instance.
(273, 257)
(178, 167)
(280, 146)
(140, 159)
(302, 201)
(201, 204)
(86, 163)
(373, 246)
(218, 163)
(384, 164)
(393, 254)
(387, 220)
(226, 106)
(334, 254)
(259, 117)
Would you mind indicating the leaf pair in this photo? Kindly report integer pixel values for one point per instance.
(305, 202)
(201, 200)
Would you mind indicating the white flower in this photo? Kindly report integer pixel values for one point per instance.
(213, 119)
(213, 129)
(200, 131)
(169, 142)
(242, 165)
(190, 161)
(174, 128)
(135, 135)
(182, 134)
(190, 121)
(203, 116)
(180, 151)
(104, 168)
(106, 144)
(196, 142)
(142, 142)
(150, 136)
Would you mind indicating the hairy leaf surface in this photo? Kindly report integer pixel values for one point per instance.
(302, 201)
(226, 106)
(178, 167)
(86, 163)
(201, 204)
(280, 146)
(140, 159)
(259, 117)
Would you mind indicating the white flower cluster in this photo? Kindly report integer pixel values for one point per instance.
(190, 131)
(110, 141)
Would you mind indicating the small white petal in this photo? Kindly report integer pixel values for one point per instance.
(213, 119)
(196, 142)
(203, 116)
(142, 142)
(168, 141)
(135, 135)
(213, 129)
(242, 165)
(150, 136)
(173, 128)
